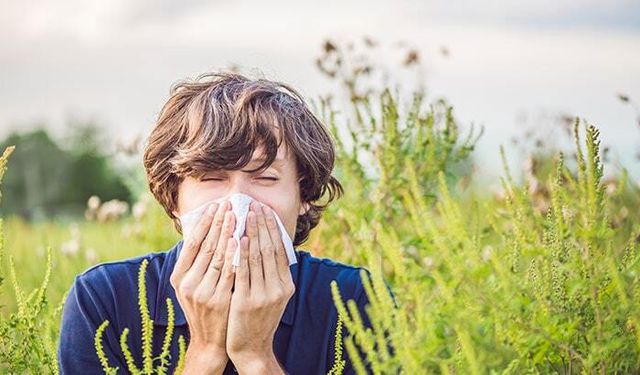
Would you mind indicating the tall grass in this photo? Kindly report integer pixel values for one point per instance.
(147, 338)
(541, 278)
(27, 335)
(502, 286)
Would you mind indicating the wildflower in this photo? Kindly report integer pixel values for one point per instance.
(71, 247)
(93, 203)
(487, 251)
(139, 209)
(428, 262)
(112, 210)
(91, 256)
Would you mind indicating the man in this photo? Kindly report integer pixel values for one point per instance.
(217, 136)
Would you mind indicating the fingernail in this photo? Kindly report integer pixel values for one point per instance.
(212, 209)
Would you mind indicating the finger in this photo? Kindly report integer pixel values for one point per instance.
(266, 245)
(242, 272)
(227, 230)
(212, 276)
(192, 244)
(227, 276)
(255, 261)
(269, 261)
(282, 260)
(210, 244)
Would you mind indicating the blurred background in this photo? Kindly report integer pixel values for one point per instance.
(81, 82)
(428, 102)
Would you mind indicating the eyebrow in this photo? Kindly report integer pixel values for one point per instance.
(275, 164)
(262, 158)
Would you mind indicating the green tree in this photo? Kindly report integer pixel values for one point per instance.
(48, 179)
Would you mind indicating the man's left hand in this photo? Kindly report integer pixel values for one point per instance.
(263, 287)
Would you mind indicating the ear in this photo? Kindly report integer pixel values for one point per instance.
(304, 208)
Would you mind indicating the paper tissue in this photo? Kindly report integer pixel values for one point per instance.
(240, 207)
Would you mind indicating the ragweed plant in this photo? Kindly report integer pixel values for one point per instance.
(338, 361)
(27, 336)
(503, 287)
(385, 144)
(541, 278)
(147, 338)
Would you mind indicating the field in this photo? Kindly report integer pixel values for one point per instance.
(540, 277)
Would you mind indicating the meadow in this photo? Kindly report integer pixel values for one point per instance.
(540, 277)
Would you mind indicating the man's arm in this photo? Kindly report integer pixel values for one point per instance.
(200, 361)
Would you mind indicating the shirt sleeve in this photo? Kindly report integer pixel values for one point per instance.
(361, 300)
(82, 314)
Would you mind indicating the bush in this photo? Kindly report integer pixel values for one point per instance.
(54, 179)
(541, 278)
(503, 286)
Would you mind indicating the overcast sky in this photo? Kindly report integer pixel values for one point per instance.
(114, 61)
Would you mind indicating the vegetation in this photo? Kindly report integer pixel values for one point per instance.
(147, 337)
(540, 277)
(53, 178)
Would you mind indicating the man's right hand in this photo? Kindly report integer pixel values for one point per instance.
(203, 278)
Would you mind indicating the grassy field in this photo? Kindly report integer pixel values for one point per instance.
(542, 277)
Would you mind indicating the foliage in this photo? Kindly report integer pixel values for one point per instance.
(28, 335)
(338, 361)
(147, 338)
(503, 286)
(51, 179)
(541, 278)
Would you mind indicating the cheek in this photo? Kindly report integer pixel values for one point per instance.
(192, 195)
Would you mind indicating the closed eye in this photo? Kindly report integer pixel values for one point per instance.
(259, 178)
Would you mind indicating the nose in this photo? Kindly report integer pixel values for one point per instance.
(238, 184)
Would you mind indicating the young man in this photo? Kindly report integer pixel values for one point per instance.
(219, 136)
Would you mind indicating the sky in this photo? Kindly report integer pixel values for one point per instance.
(511, 65)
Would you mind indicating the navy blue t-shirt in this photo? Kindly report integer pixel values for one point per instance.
(303, 343)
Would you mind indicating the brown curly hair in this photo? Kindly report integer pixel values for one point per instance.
(217, 120)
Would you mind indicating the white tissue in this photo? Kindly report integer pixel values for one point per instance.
(240, 207)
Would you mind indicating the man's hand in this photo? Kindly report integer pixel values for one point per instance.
(263, 286)
(203, 278)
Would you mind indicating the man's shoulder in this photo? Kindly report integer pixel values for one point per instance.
(122, 274)
(348, 277)
(121, 266)
(327, 264)
(319, 272)
(109, 288)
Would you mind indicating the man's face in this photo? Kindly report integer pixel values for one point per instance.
(276, 187)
